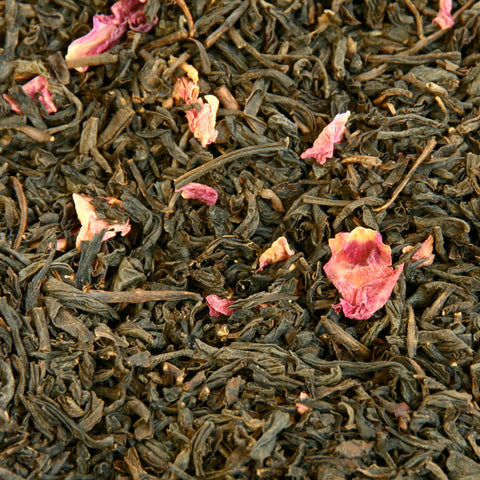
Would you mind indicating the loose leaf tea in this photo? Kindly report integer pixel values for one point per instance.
(197, 342)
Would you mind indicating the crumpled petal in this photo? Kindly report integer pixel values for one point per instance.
(37, 86)
(91, 224)
(324, 145)
(361, 270)
(186, 90)
(202, 122)
(444, 18)
(106, 33)
(279, 251)
(108, 29)
(425, 252)
(199, 191)
(301, 408)
(218, 306)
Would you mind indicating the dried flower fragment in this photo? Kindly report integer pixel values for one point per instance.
(425, 252)
(324, 145)
(218, 306)
(185, 90)
(202, 122)
(361, 270)
(108, 30)
(444, 18)
(279, 251)
(37, 86)
(91, 224)
(199, 191)
(301, 408)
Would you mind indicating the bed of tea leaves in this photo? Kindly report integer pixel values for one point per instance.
(153, 386)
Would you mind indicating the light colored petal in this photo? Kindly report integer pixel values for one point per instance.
(202, 122)
(91, 224)
(39, 85)
(279, 251)
(218, 306)
(105, 34)
(425, 252)
(201, 192)
(444, 18)
(36, 87)
(324, 145)
(361, 270)
(185, 90)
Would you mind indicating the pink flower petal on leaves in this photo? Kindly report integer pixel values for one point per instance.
(91, 224)
(324, 145)
(444, 18)
(36, 87)
(301, 408)
(185, 90)
(425, 252)
(202, 122)
(108, 30)
(218, 306)
(199, 191)
(279, 251)
(361, 270)
(106, 33)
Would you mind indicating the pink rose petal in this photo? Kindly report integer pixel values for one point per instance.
(108, 29)
(202, 122)
(444, 18)
(361, 270)
(201, 192)
(91, 224)
(324, 145)
(425, 252)
(185, 90)
(279, 251)
(36, 87)
(218, 306)
(301, 408)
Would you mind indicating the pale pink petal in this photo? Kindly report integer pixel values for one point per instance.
(13, 104)
(361, 270)
(301, 409)
(202, 122)
(185, 90)
(279, 251)
(108, 29)
(105, 34)
(201, 192)
(91, 224)
(444, 18)
(324, 145)
(36, 87)
(131, 11)
(218, 306)
(425, 252)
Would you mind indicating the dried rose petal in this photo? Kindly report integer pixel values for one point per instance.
(37, 86)
(185, 90)
(425, 252)
(201, 192)
(218, 306)
(105, 34)
(444, 18)
(301, 409)
(91, 224)
(202, 122)
(108, 29)
(279, 251)
(324, 145)
(361, 270)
